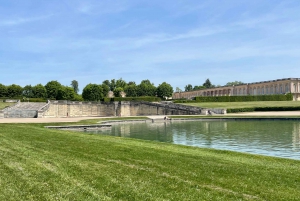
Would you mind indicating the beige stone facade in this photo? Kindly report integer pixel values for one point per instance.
(280, 86)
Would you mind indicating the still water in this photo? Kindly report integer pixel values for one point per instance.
(272, 138)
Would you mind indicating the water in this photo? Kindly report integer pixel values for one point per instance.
(271, 138)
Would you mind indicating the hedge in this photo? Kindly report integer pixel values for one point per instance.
(277, 97)
(263, 109)
(142, 98)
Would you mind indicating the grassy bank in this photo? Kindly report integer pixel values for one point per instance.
(4, 104)
(41, 164)
(245, 104)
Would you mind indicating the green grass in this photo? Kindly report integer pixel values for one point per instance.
(41, 164)
(4, 104)
(244, 104)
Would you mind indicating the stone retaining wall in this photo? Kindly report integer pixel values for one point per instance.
(124, 108)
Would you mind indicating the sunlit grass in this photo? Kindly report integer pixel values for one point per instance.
(4, 105)
(41, 164)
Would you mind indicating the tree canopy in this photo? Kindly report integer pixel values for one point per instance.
(234, 83)
(14, 90)
(164, 90)
(74, 85)
(188, 87)
(146, 88)
(92, 92)
(52, 89)
(207, 84)
(3, 90)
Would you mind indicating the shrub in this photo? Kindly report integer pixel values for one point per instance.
(277, 97)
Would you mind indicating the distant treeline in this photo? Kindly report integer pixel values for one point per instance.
(92, 92)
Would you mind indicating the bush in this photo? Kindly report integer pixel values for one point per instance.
(142, 98)
(277, 97)
(262, 109)
(34, 100)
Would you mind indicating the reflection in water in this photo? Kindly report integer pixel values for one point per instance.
(296, 137)
(273, 138)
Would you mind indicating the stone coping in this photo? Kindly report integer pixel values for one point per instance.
(84, 127)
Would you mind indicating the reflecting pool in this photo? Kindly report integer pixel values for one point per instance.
(272, 138)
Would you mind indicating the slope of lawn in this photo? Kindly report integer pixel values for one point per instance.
(245, 104)
(41, 164)
(4, 104)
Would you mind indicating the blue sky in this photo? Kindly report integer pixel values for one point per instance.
(180, 41)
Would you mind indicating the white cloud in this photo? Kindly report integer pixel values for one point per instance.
(23, 20)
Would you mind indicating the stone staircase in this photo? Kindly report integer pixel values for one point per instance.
(23, 110)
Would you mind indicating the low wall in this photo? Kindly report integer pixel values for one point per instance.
(124, 108)
(21, 114)
(78, 109)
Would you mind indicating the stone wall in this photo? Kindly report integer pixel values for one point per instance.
(79, 109)
(124, 108)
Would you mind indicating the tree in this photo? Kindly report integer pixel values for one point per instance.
(3, 90)
(14, 90)
(52, 88)
(188, 87)
(131, 90)
(121, 83)
(117, 91)
(198, 87)
(178, 90)
(164, 90)
(74, 85)
(92, 92)
(39, 91)
(146, 88)
(112, 84)
(28, 91)
(234, 83)
(107, 82)
(106, 89)
(66, 93)
(207, 84)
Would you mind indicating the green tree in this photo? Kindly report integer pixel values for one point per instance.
(146, 88)
(92, 92)
(3, 90)
(117, 91)
(164, 90)
(207, 84)
(14, 91)
(39, 91)
(178, 89)
(131, 90)
(188, 87)
(28, 91)
(74, 85)
(234, 83)
(52, 88)
(112, 84)
(66, 93)
(107, 82)
(106, 89)
(198, 87)
(121, 83)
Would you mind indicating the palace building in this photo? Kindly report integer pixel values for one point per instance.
(280, 86)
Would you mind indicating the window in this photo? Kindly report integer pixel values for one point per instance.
(272, 90)
(287, 88)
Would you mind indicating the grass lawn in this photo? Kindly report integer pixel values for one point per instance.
(41, 164)
(244, 104)
(3, 105)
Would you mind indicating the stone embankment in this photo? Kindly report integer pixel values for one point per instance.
(22, 110)
(58, 109)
